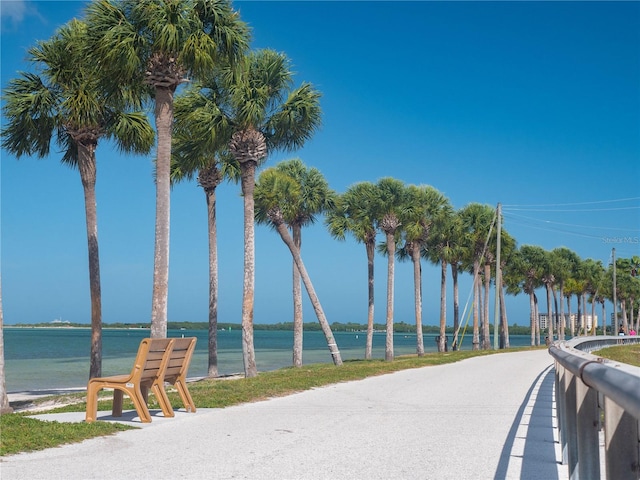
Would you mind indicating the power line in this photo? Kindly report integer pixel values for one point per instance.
(574, 204)
(573, 210)
(593, 227)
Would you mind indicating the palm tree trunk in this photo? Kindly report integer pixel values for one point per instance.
(532, 318)
(315, 302)
(623, 309)
(537, 319)
(486, 339)
(370, 246)
(417, 295)
(505, 321)
(212, 369)
(248, 172)
(391, 249)
(4, 399)
(549, 314)
(443, 305)
(297, 303)
(456, 304)
(476, 300)
(87, 168)
(572, 323)
(164, 125)
(562, 318)
(594, 322)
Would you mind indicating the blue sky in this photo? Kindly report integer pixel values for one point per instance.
(535, 105)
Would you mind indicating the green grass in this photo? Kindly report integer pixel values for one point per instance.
(22, 434)
(629, 354)
(19, 433)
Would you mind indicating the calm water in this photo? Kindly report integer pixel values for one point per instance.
(48, 358)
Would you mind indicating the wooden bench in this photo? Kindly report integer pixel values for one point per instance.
(149, 372)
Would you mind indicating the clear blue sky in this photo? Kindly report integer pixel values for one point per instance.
(531, 104)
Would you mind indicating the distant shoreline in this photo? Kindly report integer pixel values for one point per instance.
(398, 327)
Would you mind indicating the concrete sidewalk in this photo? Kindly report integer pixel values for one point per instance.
(488, 417)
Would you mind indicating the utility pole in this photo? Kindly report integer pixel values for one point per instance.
(496, 313)
(614, 322)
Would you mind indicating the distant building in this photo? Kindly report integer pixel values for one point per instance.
(586, 319)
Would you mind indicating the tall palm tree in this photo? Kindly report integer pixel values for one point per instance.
(548, 280)
(162, 44)
(312, 198)
(439, 250)
(201, 155)
(531, 265)
(66, 101)
(355, 212)
(391, 195)
(594, 276)
(477, 223)
(423, 204)
(265, 113)
(279, 196)
(565, 262)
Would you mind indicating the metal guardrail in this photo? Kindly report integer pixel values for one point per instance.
(595, 395)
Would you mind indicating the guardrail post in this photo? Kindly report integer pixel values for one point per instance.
(561, 410)
(571, 423)
(588, 426)
(621, 443)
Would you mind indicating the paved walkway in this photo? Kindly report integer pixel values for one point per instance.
(484, 418)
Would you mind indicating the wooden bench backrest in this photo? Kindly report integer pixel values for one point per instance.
(151, 359)
(180, 358)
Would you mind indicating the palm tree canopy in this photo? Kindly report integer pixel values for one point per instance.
(66, 100)
(423, 204)
(260, 97)
(477, 221)
(355, 212)
(164, 43)
(299, 192)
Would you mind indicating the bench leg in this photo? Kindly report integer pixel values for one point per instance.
(163, 399)
(181, 385)
(91, 414)
(116, 411)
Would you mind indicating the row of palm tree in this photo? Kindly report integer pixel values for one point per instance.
(97, 75)
(563, 274)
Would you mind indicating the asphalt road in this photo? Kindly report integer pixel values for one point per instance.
(488, 417)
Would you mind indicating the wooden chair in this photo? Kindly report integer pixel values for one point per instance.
(176, 375)
(148, 370)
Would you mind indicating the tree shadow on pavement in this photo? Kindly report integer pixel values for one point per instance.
(529, 451)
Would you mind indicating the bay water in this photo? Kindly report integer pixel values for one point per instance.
(58, 358)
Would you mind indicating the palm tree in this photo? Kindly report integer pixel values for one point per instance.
(391, 198)
(565, 262)
(438, 250)
(594, 276)
(202, 155)
(423, 204)
(66, 101)
(477, 221)
(265, 114)
(278, 196)
(160, 44)
(312, 198)
(355, 212)
(531, 266)
(548, 280)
